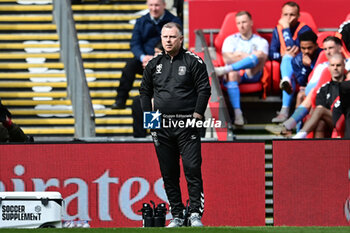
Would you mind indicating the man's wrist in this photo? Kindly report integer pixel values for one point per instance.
(197, 116)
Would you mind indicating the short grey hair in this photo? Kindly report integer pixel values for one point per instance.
(172, 25)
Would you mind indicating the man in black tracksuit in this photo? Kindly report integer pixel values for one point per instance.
(325, 116)
(178, 82)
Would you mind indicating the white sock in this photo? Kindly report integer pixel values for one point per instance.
(286, 79)
(228, 68)
(238, 111)
(300, 134)
(284, 110)
(290, 123)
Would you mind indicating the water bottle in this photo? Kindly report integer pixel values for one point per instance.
(186, 213)
(159, 215)
(147, 215)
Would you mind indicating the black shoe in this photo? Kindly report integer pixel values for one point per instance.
(118, 105)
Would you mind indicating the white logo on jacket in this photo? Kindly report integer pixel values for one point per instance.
(159, 69)
(182, 70)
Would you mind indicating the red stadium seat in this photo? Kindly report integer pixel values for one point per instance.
(339, 129)
(229, 27)
(321, 58)
(276, 77)
(347, 17)
(307, 18)
(322, 35)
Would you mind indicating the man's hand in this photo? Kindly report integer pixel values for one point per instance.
(292, 51)
(197, 116)
(284, 22)
(145, 60)
(233, 57)
(306, 60)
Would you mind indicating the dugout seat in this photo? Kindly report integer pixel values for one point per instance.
(229, 27)
(322, 35)
(308, 19)
(347, 17)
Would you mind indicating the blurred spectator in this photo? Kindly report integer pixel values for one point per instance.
(9, 131)
(286, 33)
(145, 36)
(322, 120)
(331, 46)
(243, 51)
(295, 70)
(179, 5)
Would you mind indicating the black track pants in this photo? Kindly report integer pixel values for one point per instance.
(169, 144)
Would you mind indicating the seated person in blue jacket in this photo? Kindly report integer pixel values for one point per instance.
(145, 36)
(246, 51)
(285, 35)
(295, 69)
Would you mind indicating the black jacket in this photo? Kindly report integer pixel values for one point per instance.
(327, 94)
(178, 85)
(328, 97)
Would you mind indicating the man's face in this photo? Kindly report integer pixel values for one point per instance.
(336, 67)
(331, 48)
(244, 24)
(290, 14)
(156, 8)
(171, 40)
(308, 48)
